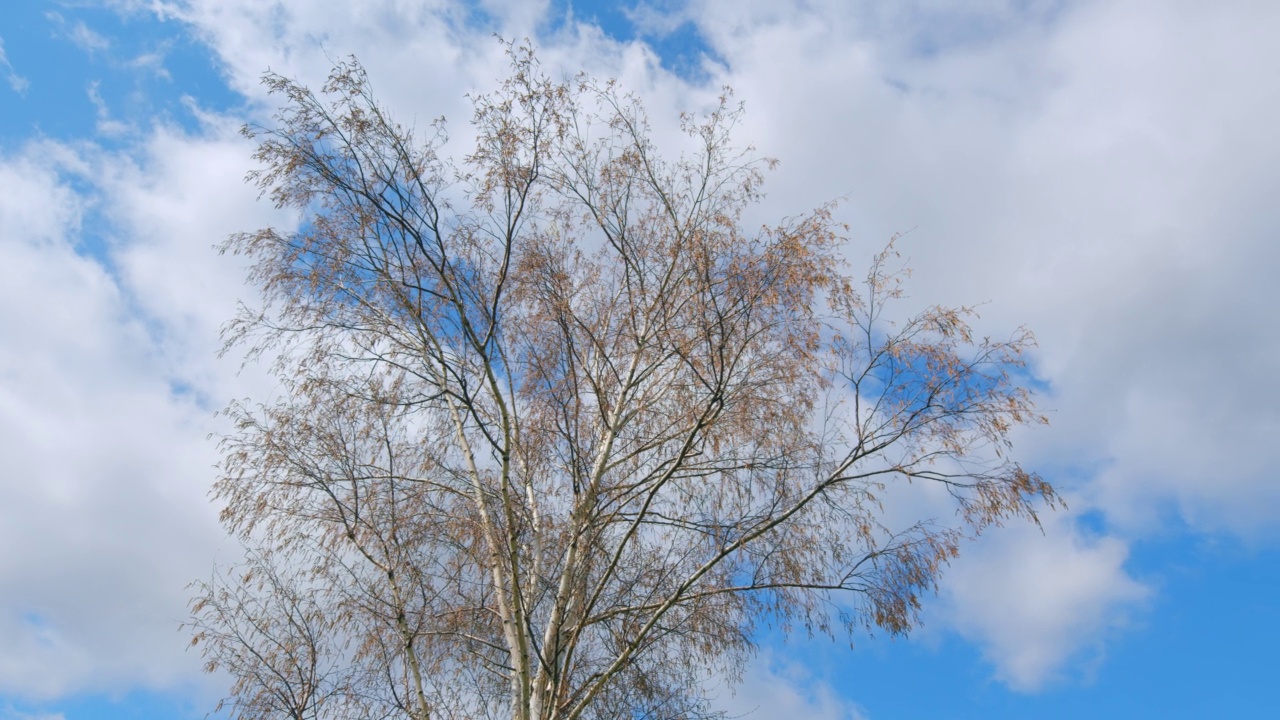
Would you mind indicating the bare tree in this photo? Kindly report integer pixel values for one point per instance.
(556, 432)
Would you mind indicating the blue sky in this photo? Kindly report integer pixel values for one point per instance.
(1103, 172)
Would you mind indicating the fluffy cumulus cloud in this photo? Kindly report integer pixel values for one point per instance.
(97, 508)
(1034, 600)
(1097, 171)
(110, 311)
(1157, 326)
(1102, 172)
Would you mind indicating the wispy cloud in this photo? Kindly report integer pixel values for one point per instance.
(658, 20)
(16, 81)
(107, 125)
(80, 34)
(152, 62)
(88, 40)
(12, 714)
(773, 687)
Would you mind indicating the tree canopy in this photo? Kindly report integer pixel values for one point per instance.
(556, 432)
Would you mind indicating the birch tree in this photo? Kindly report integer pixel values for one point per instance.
(557, 432)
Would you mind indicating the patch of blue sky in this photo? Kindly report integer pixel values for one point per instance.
(133, 705)
(79, 72)
(663, 26)
(1203, 648)
(95, 73)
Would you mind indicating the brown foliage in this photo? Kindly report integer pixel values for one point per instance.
(556, 431)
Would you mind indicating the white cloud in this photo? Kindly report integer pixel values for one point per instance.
(81, 35)
(1033, 602)
(1162, 342)
(88, 40)
(99, 459)
(1095, 171)
(107, 126)
(18, 83)
(658, 20)
(9, 713)
(108, 392)
(415, 52)
(774, 688)
(153, 62)
(169, 206)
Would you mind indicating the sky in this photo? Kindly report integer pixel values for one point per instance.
(1105, 173)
